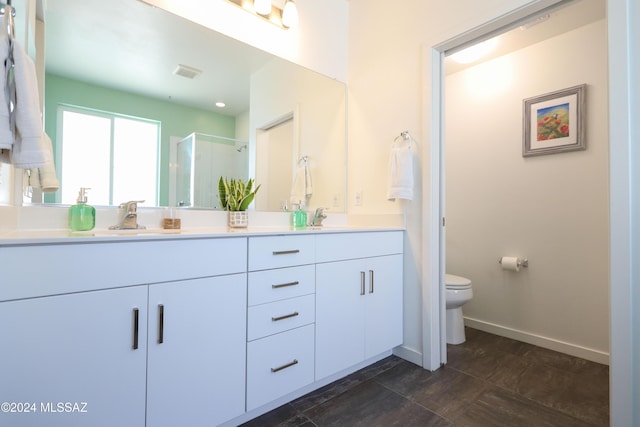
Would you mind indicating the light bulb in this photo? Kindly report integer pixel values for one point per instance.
(290, 14)
(262, 7)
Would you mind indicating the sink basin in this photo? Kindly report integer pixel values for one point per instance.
(135, 232)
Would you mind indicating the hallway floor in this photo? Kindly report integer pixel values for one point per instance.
(488, 381)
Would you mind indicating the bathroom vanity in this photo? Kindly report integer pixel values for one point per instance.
(190, 329)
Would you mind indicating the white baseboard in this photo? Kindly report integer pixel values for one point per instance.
(408, 354)
(549, 343)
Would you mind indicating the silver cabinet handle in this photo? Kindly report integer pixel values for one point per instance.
(286, 316)
(283, 285)
(288, 365)
(136, 327)
(362, 283)
(160, 323)
(292, 251)
(370, 281)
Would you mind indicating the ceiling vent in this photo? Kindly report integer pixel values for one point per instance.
(186, 71)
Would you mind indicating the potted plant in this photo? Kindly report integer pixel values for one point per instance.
(235, 196)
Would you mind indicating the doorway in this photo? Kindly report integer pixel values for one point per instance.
(438, 53)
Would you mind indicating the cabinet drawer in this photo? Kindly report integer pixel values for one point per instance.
(280, 251)
(273, 285)
(279, 316)
(92, 266)
(339, 247)
(279, 364)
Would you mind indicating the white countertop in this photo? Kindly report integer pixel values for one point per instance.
(42, 237)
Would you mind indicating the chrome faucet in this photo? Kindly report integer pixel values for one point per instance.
(318, 216)
(128, 216)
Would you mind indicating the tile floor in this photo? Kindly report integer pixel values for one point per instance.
(488, 381)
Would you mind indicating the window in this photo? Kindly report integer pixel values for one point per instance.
(115, 156)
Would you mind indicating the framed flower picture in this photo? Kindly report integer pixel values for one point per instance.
(554, 122)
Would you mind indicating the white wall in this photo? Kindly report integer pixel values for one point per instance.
(389, 92)
(551, 209)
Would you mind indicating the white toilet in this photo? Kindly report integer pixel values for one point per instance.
(458, 293)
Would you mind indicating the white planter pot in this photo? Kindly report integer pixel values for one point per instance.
(238, 219)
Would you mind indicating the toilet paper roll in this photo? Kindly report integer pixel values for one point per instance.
(510, 263)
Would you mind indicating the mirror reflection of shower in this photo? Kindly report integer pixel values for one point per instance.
(201, 161)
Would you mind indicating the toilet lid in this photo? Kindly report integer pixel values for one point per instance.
(456, 282)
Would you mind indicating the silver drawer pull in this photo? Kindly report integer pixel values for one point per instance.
(370, 281)
(362, 274)
(284, 285)
(136, 327)
(288, 365)
(286, 316)
(292, 251)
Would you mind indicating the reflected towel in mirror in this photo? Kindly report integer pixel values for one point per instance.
(301, 189)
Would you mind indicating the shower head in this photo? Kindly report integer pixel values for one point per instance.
(244, 147)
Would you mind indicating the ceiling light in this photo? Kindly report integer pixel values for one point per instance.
(284, 18)
(262, 7)
(475, 52)
(220, 104)
(290, 14)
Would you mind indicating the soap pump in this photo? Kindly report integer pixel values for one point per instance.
(82, 217)
(299, 216)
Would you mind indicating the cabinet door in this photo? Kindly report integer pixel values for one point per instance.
(340, 316)
(71, 358)
(196, 366)
(384, 304)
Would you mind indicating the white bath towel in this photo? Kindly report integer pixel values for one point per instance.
(6, 136)
(400, 171)
(30, 149)
(301, 188)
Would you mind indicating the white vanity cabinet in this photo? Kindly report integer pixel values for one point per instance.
(75, 360)
(358, 298)
(196, 351)
(78, 330)
(281, 317)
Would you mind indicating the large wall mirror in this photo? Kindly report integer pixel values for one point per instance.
(120, 73)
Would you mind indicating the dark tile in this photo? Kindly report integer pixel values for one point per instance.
(445, 391)
(480, 362)
(501, 408)
(565, 391)
(344, 384)
(285, 415)
(372, 405)
(565, 362)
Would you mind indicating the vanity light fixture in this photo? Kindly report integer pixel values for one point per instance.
(262, 7)
(289, 14)
(269, 10)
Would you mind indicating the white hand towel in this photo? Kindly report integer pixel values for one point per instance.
(298, 188)
(308, 188)
(401, 172)
(29, 149)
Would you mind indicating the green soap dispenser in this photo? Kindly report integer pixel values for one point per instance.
(82, 217)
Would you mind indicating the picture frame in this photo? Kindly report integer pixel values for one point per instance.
(554, 122)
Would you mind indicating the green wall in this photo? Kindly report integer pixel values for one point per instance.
(176, 120)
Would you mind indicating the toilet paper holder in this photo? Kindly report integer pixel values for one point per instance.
(521, 262)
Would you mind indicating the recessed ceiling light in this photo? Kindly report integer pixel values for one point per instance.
(220, 104)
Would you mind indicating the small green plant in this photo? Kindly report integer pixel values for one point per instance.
(235, 194)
